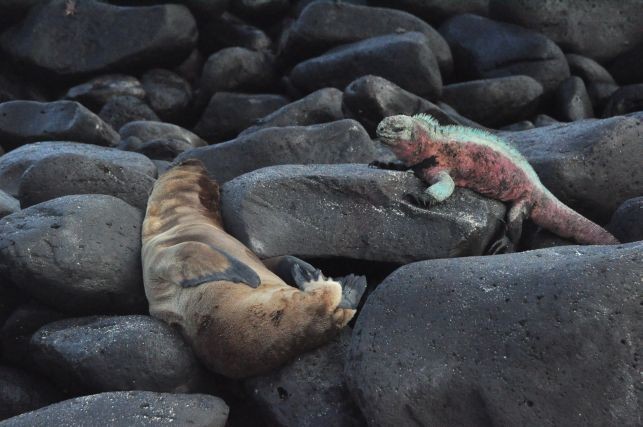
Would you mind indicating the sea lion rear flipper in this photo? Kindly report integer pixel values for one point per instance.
(353, 288)
(292, 270)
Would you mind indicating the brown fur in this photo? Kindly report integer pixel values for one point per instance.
(235, 330)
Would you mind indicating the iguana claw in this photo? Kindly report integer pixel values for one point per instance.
(423, 200)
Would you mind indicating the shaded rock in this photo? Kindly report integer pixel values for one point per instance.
(542, 120)
(600, 94)
(588, 69)
(237, 69)
(592, 166)
(18, 329)
(518, 126)
(625, 100)
(371, 98)
(14, 10)
(163, 166)
(168, 94)
(15, 86)
(157, 149)
(353, 211)
(457, 116)
(21, 392)
(322, 106)
(260, 9)
(96, 92)
(209, 8)
(405, 59)
(8, 204)
(323, 25)
(600, 30)
(228, 31)
(435, 11)
(14, 164)
(190, 69)
(627, 68)
(627, 222)
(572, 100)
(494, 102)
(503, 340)
(147, 131)
(309, 391)
(483, 48)
(103, 353)
(68, 174)
(344, 141)
(48, 37)
(56, 251)
(229, 113)
(120, 110)
(22, 122)
(130, 408)
(10, 299)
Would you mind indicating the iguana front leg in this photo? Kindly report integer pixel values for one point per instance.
(442, 186)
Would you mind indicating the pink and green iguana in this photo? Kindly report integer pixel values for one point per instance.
(449, 156)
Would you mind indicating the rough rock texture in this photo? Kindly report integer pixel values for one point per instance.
(627, 222)
(168, 94)
(322, 106)
(96, 92)
(48, 37)
(435, 11)
(495, 102)
(483, 48)
(110, 353)
(14, 164)
(592, 165)
(627, 68)
(21, 391)
(129, 408)
(229, 113)
(572, 100)
(67, 174)
(598, 29)
(310, 391)
(627, 99)
(22, 122)
(8, 204)
(323, 25)
(343, 141)
(405, 59)
(544, 337)
(120, 110)
(78, 254)
(353, 211)
(371, 98)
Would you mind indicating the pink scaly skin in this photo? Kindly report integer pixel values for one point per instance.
(448, 156)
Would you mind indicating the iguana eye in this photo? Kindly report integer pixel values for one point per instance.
(398, 128)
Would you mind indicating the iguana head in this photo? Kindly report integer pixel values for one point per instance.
(395, 130)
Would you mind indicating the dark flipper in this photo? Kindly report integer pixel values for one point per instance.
(353, 288)
(283, 266)
(302, 276)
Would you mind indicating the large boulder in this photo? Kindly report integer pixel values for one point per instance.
(353, 211)
(89, 36)
(79, 254)
(545, 337)
(435, 11)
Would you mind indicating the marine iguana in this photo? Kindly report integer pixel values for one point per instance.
(449, 156)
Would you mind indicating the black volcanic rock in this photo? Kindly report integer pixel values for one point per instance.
(120, 110)
(21, 391)
(626, 224)
(435, 11)
(111, 37)
(627, 68)
(8, 204)
(95, 93)
(572, 101)
(627, 99)
(168, 94)
(228, 31)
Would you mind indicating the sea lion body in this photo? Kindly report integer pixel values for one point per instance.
(240, 318)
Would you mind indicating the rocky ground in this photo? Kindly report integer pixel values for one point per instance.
(280, 100)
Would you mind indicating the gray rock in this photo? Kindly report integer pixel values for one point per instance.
(127, 409)
(21, 392)
(309, 391)
(543, 337)
(113, 353)
(120, 110)
(324, 25)
(22, 122)
(14, 85)
(146, 131)
(627, 68)
(237, 69)
(405, 59)
(353, 211)
(371, 98)
(626, 223)
(600, 94)
(18, 329)
(95, 93)
(78, 254)
(542, 120)
(588, 69)
(8, 204)
(229, 113)
(518, 126)
(600, 30)
(210, 9)
(260, 9)
(436, 11)
(68, 174)
(591, 165)
(112, 37)
(14, 164)
(163, 166)
(495, 102)
(572, 100)
(228, 31)
(343, 141)
(168, 94)
(627, 99)
(322, 106)
(483, 48)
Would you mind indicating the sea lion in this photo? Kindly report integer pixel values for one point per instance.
(240, 318)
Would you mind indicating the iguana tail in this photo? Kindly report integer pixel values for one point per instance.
(553, 215)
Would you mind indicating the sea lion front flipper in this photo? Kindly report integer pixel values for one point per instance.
(284, 267)
(303, 276)
(353, 288)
